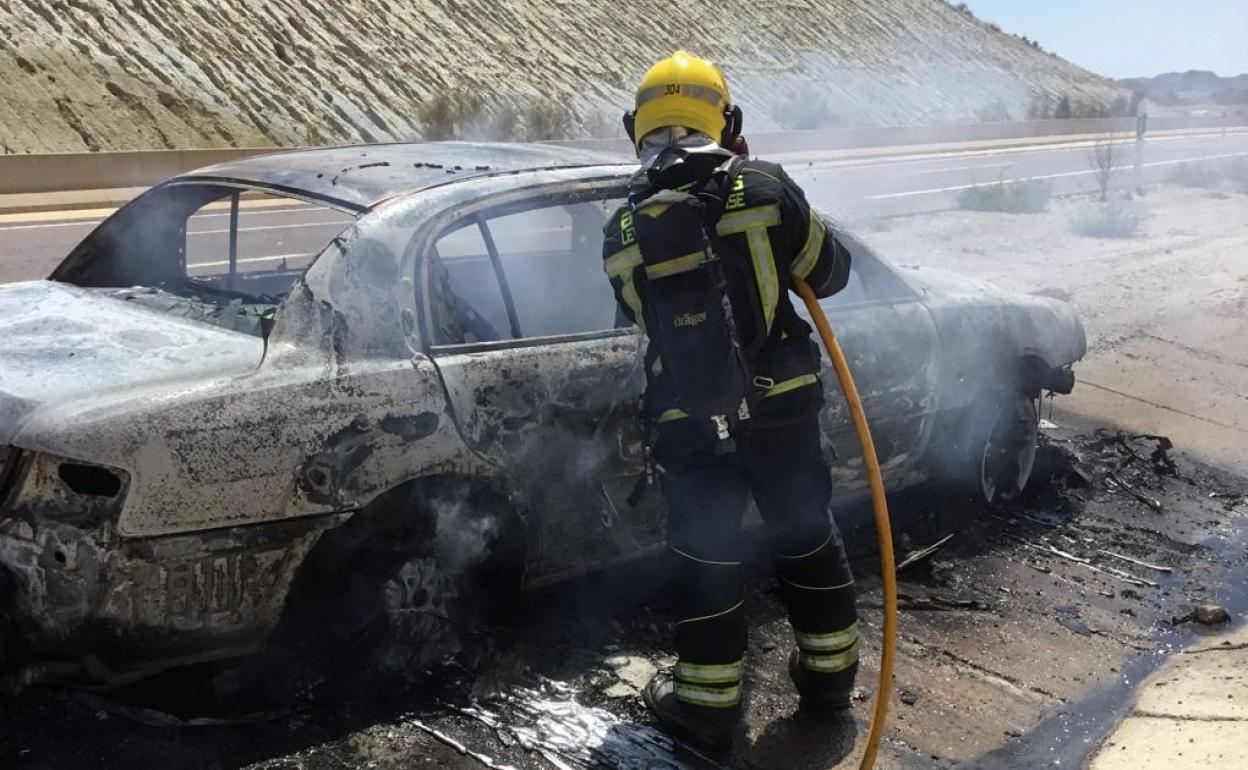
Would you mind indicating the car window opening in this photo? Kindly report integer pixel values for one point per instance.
(213, 253)
(537, 272)
(531, 273)
(870, 281)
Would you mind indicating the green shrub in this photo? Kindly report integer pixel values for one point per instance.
(1194, 174)
(1028, 196)
(1107, 220)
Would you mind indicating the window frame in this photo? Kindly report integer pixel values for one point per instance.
(856, 244)
(478, 212)
(81, 260)
(563, 193)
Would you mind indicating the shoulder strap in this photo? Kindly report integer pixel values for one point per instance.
(714, 192)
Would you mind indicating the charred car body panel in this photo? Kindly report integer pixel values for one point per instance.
(166, 468)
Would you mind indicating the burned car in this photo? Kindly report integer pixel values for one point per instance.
(410, 370)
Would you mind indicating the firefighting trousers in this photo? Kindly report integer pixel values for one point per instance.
(707, 496)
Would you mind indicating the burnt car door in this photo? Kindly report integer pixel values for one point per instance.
(893, 350)
(542, 374)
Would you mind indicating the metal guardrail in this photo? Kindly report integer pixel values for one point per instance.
(61, 172)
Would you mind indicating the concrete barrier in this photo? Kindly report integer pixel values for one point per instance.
(102, 170)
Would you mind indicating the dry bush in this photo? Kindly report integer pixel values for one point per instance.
(601, 126)
(804, 113)
(548, 119)
(1195, 174)
(448, 115)
(1107, 220)
(994, 112)
(500, 125)
(1107, 158)
(1028, 196)
(1237, 172)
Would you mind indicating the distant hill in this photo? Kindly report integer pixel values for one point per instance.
(106, 75)
(1194, 89)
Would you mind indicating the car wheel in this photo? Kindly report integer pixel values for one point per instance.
(411, 579)
(1007, 450)
(433, 604)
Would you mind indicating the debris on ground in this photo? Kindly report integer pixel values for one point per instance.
(1206, 614)
(1120, 461)
(633, 673)
(921, 554)
(1079, 567)
(482, 759)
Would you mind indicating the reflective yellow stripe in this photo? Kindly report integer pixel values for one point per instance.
(672, 414)
(819, 588)
(622, 262)
(714, 615)
(829, 664)
(629, 292)
(711, 697)
(695, 673)
(778, 389)
(834, 641)
(674, 266)
(781, 388)
(809, 254)
(754, 223)
(748, 219)
(691, 557)
(765, 272)
(808, 554)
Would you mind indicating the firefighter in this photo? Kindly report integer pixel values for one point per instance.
(684, 128)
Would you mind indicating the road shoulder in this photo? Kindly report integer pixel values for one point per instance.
(1191, 714)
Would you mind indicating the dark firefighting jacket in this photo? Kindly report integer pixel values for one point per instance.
(766, 234)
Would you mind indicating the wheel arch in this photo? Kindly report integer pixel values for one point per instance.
(394, 527)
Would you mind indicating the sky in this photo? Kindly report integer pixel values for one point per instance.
(1131, 38)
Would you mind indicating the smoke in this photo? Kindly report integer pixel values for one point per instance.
(466, 532)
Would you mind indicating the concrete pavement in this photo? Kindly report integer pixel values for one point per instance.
(1192, 714)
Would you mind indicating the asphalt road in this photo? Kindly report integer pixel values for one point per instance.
(32, 245)
(923, 183)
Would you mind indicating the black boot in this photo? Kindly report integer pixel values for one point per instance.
(816, 699)
(710, 728)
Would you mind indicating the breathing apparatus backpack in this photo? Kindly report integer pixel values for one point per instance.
(689, 315)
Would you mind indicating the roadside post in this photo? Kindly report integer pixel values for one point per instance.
(1141, 126)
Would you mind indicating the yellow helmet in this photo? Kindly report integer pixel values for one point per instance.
(683, 90)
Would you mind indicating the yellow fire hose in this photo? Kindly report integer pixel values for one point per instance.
(883, 527)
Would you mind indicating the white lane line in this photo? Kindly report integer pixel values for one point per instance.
(250, 260)
(959, 168)
(83, 223)
(343, 223)
(271, 227)
(1087, 172)
(94, 222)
(1037, 149)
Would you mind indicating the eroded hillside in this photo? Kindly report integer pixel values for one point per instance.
(133, 74)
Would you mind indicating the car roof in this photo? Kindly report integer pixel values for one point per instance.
(360, 177)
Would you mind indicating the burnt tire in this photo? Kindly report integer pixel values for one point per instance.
(1005, 451)
(413, 578)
